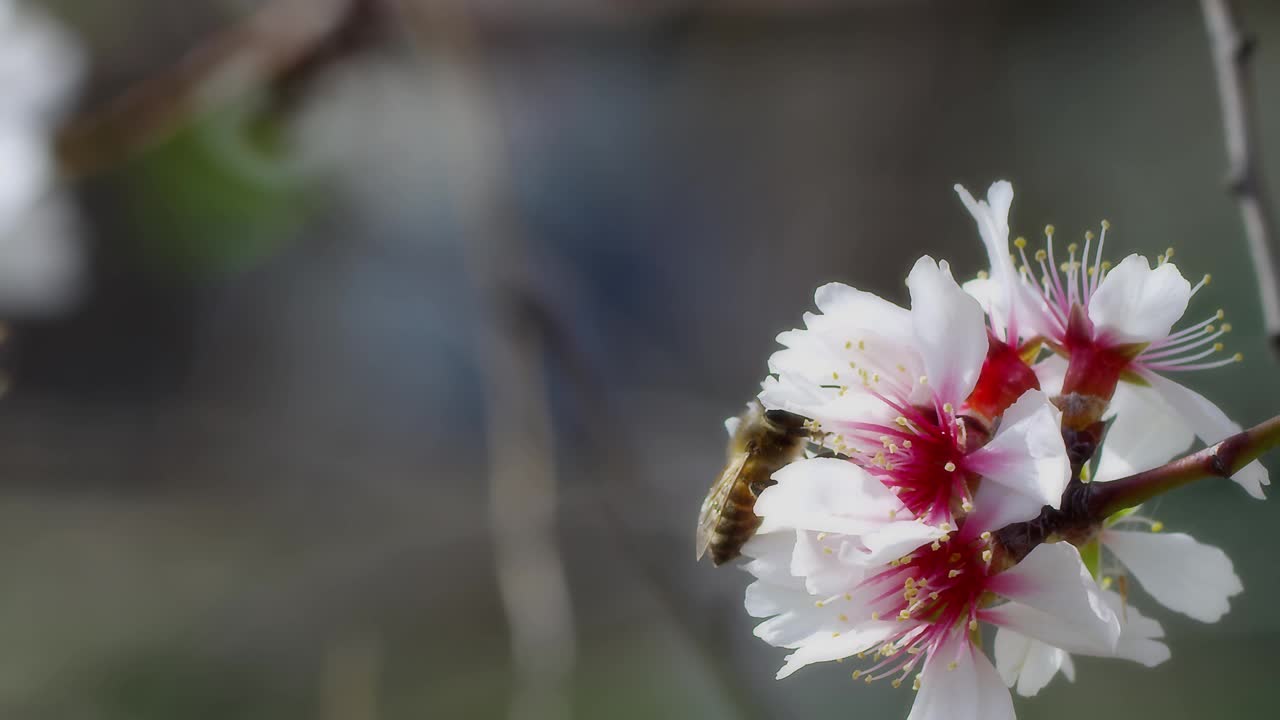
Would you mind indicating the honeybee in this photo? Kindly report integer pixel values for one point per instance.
(761, 444)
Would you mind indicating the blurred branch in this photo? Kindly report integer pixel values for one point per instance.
(276, 48)
(1231, 52)
(512, 352)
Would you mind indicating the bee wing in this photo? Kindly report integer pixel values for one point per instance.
(714, 502)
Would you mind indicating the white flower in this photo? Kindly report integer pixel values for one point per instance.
(40, 255)
(1180, 573)
(1028, 665)
(889, 387)
(1114, 324)
(826, 592)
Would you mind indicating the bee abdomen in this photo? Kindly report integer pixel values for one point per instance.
(737, 523)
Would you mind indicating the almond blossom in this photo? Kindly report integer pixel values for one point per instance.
(1115, 325)
(888, 388)
(827, 592)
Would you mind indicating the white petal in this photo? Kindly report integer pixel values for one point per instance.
(895, 540)
(970, 689)
(1145, 433)
(1135, 303)
(827, 563)
(829, 495)
(1180, 573)
(1210, 425)
(1029, 664)
(1051, 372)
(844, 307)
(1027, 454)
(950, 330)
(1139, 634)
(835, 645)
(992, 218)
(1054, 599)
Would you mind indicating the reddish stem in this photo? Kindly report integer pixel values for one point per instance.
(1221, 460)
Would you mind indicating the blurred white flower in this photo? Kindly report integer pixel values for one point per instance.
(41, 260)
(1114, 324)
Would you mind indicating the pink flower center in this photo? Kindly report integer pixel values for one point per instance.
(932, 593)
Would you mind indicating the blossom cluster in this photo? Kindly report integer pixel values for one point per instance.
(949, 429)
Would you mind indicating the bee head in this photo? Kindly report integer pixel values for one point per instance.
(787, 422)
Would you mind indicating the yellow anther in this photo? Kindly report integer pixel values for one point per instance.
(952, 665)
(862, 344)
(848, 344)
(1020, 242)
(1218, 347)
(875, 616)
(835, 634)
(948, 408)
(1208, 329)
(819, 604)
(1207, 279)
(973, 625)
(986, 535)
(1168, 253)
(1221, 314)
(1226, 327)
(1106, 583)
(987, 555)
(1106, 265)
(1048, 230)
(954, 573)
(1238, 357)
(945, 527)
(983, 275)
(915, 684)
(857, 674)
(844, 618)
(1157, 526)
(949, 467)
(835, 375)
(904, 615)
(827, 551)
(966, 506)
(897, 683)
(1106, 225)
(1088, 235)
(1073, 248)
(822, 536)
(1041, 256)
(847, 596)
(936, 545)
(869, 678)
(906, 444)
(955, 557)
(934, 595)
(924, 379)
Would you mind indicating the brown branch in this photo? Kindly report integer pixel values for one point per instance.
(283, 40)
(1221, 460)
(1231, 51)
(512, 351)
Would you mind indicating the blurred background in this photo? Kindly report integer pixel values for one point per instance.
(367, 358)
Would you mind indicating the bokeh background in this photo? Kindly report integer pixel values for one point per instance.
(384, 380)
